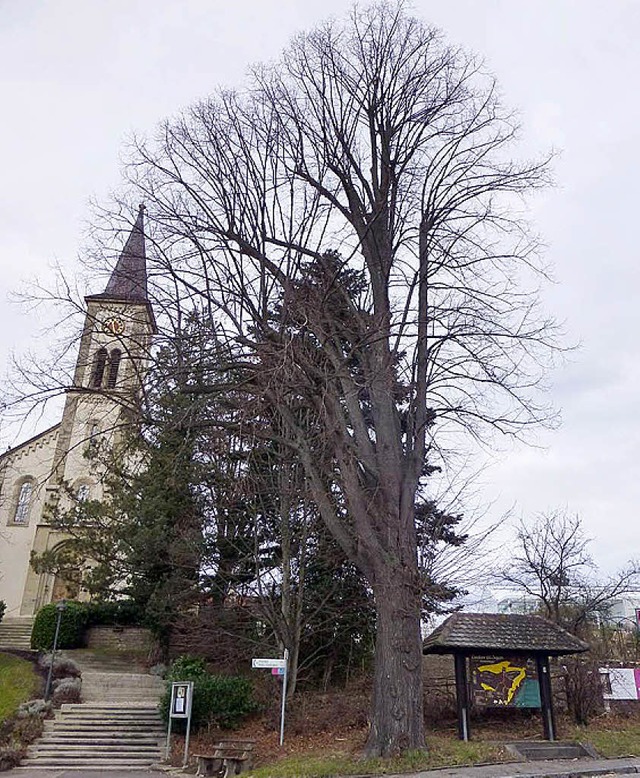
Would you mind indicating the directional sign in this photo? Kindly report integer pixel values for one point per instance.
(268, 663)
(277, 667)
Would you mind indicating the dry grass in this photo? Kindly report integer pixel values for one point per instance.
(326, 732)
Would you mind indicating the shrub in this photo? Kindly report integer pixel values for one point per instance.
(217, 699)
(32, 708)
(3, 608)
(72, 626)
(10, 757)
(62, 666)
(123, 613)
(20, 730)
(66, 690)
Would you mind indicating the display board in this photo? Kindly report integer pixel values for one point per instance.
(498, 682)
(620, 683)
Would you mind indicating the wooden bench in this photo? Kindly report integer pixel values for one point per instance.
(229, 757)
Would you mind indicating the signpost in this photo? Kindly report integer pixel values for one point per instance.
(269, 663)
(180, 708)
(278, 667)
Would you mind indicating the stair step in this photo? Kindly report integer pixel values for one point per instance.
(543, 750)
(15, 630)
(133, 708)
(147, 750)
(106, 741)
(117, 727)
(108, 716)
(77, 719)
(124, 763)
(122, 758)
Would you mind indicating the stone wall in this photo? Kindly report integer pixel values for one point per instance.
(120, 638)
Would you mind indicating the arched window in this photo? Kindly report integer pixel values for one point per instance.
(21, 516)
(82, 493)
(114, 364)
(99, 363)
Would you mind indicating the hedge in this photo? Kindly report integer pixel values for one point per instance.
(123, 613)
(72, 626)
(76, 617)
(217, 699)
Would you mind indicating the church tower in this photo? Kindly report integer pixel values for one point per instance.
(104, 396)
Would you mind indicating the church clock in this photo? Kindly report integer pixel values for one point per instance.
(114, 325)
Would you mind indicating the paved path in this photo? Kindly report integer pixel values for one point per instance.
(26, 772)
(560, 768)
(553, 769)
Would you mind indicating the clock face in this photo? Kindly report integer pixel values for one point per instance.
(114, 325)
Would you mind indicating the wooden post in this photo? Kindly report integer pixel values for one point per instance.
(462, 697)
(546, 700)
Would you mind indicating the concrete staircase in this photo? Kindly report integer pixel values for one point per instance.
(15, 633)
(127, 689)
(117, 727)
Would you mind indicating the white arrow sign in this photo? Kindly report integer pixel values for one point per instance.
(266, 663)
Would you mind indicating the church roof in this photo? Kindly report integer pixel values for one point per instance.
(479, 633)
(34, 439)
(128, 281)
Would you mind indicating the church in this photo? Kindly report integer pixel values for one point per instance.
(45, 470)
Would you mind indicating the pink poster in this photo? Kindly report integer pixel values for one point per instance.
(636, 672)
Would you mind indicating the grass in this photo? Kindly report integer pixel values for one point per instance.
(18, 683)
(443, 751)
(612, 738)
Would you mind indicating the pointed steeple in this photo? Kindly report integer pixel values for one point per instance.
(129, 278)
(128, 282)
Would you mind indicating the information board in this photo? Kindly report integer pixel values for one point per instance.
(498, 682)
(181, 695)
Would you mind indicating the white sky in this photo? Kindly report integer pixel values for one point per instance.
(78, 76)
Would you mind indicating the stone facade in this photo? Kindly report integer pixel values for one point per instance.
(41, 472)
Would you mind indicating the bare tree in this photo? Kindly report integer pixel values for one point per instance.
(552, 565)
(352, 223)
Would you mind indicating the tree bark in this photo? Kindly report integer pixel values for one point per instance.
(397, 722)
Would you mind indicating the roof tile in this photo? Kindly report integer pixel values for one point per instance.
(484, 632)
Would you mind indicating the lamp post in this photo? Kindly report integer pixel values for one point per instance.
(60, 607)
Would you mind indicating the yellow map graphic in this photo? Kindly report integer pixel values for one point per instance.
(507, 684)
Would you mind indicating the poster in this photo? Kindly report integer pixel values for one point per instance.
(505, 682)
(181, 699)
(620, 683)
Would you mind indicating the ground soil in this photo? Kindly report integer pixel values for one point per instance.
(335, 722)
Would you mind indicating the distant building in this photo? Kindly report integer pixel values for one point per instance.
(624, 612)
(112, 359)
(518, 603)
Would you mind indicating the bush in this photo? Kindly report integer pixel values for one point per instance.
(72, 626)
(42, 708)
(66, 690)
(10, 757)
(62, 666)
(217, 699)
(3, 608)
(125, 613)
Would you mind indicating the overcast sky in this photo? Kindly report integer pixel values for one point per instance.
(79, 76)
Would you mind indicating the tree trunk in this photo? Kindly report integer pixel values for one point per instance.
(397, 707)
